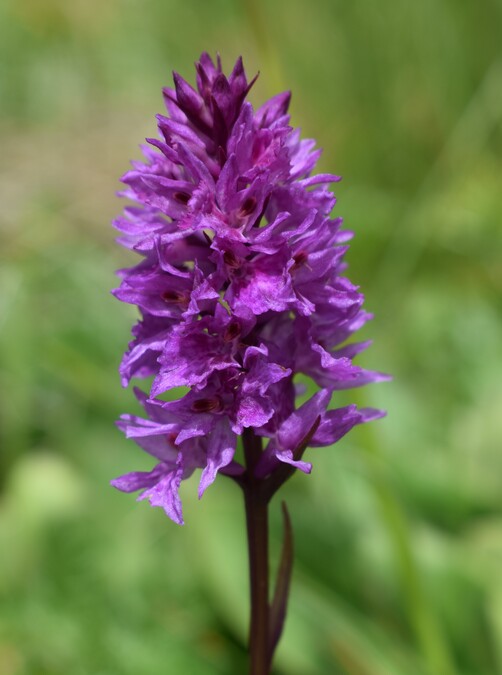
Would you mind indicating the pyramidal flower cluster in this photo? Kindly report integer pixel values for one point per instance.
(240, 287)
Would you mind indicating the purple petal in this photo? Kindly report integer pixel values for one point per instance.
(336, 423)
(253, 411)
(220, 452)
(299, 423)
(138, 480)
(240, 287)
(165, 493)
(286, 456)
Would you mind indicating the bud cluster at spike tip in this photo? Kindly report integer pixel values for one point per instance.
(240, 287)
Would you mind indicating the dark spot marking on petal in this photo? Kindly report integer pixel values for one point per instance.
(300, 259)
(222, 155)
(247, 207)
(211, 404)
(231, 260)
(265, 205)
(182, 197)
(232, 331)
(176, 297)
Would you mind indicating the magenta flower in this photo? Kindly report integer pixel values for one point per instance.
(240, 287)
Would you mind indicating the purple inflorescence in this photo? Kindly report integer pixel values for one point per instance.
(240, 287)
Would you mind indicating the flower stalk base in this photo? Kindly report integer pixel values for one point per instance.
(266, 618)
(257, 533)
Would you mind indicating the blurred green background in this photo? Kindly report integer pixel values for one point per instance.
(399, 527)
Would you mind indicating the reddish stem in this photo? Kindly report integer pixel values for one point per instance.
(256, 503)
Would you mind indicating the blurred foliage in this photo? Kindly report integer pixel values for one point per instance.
(399, 528)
